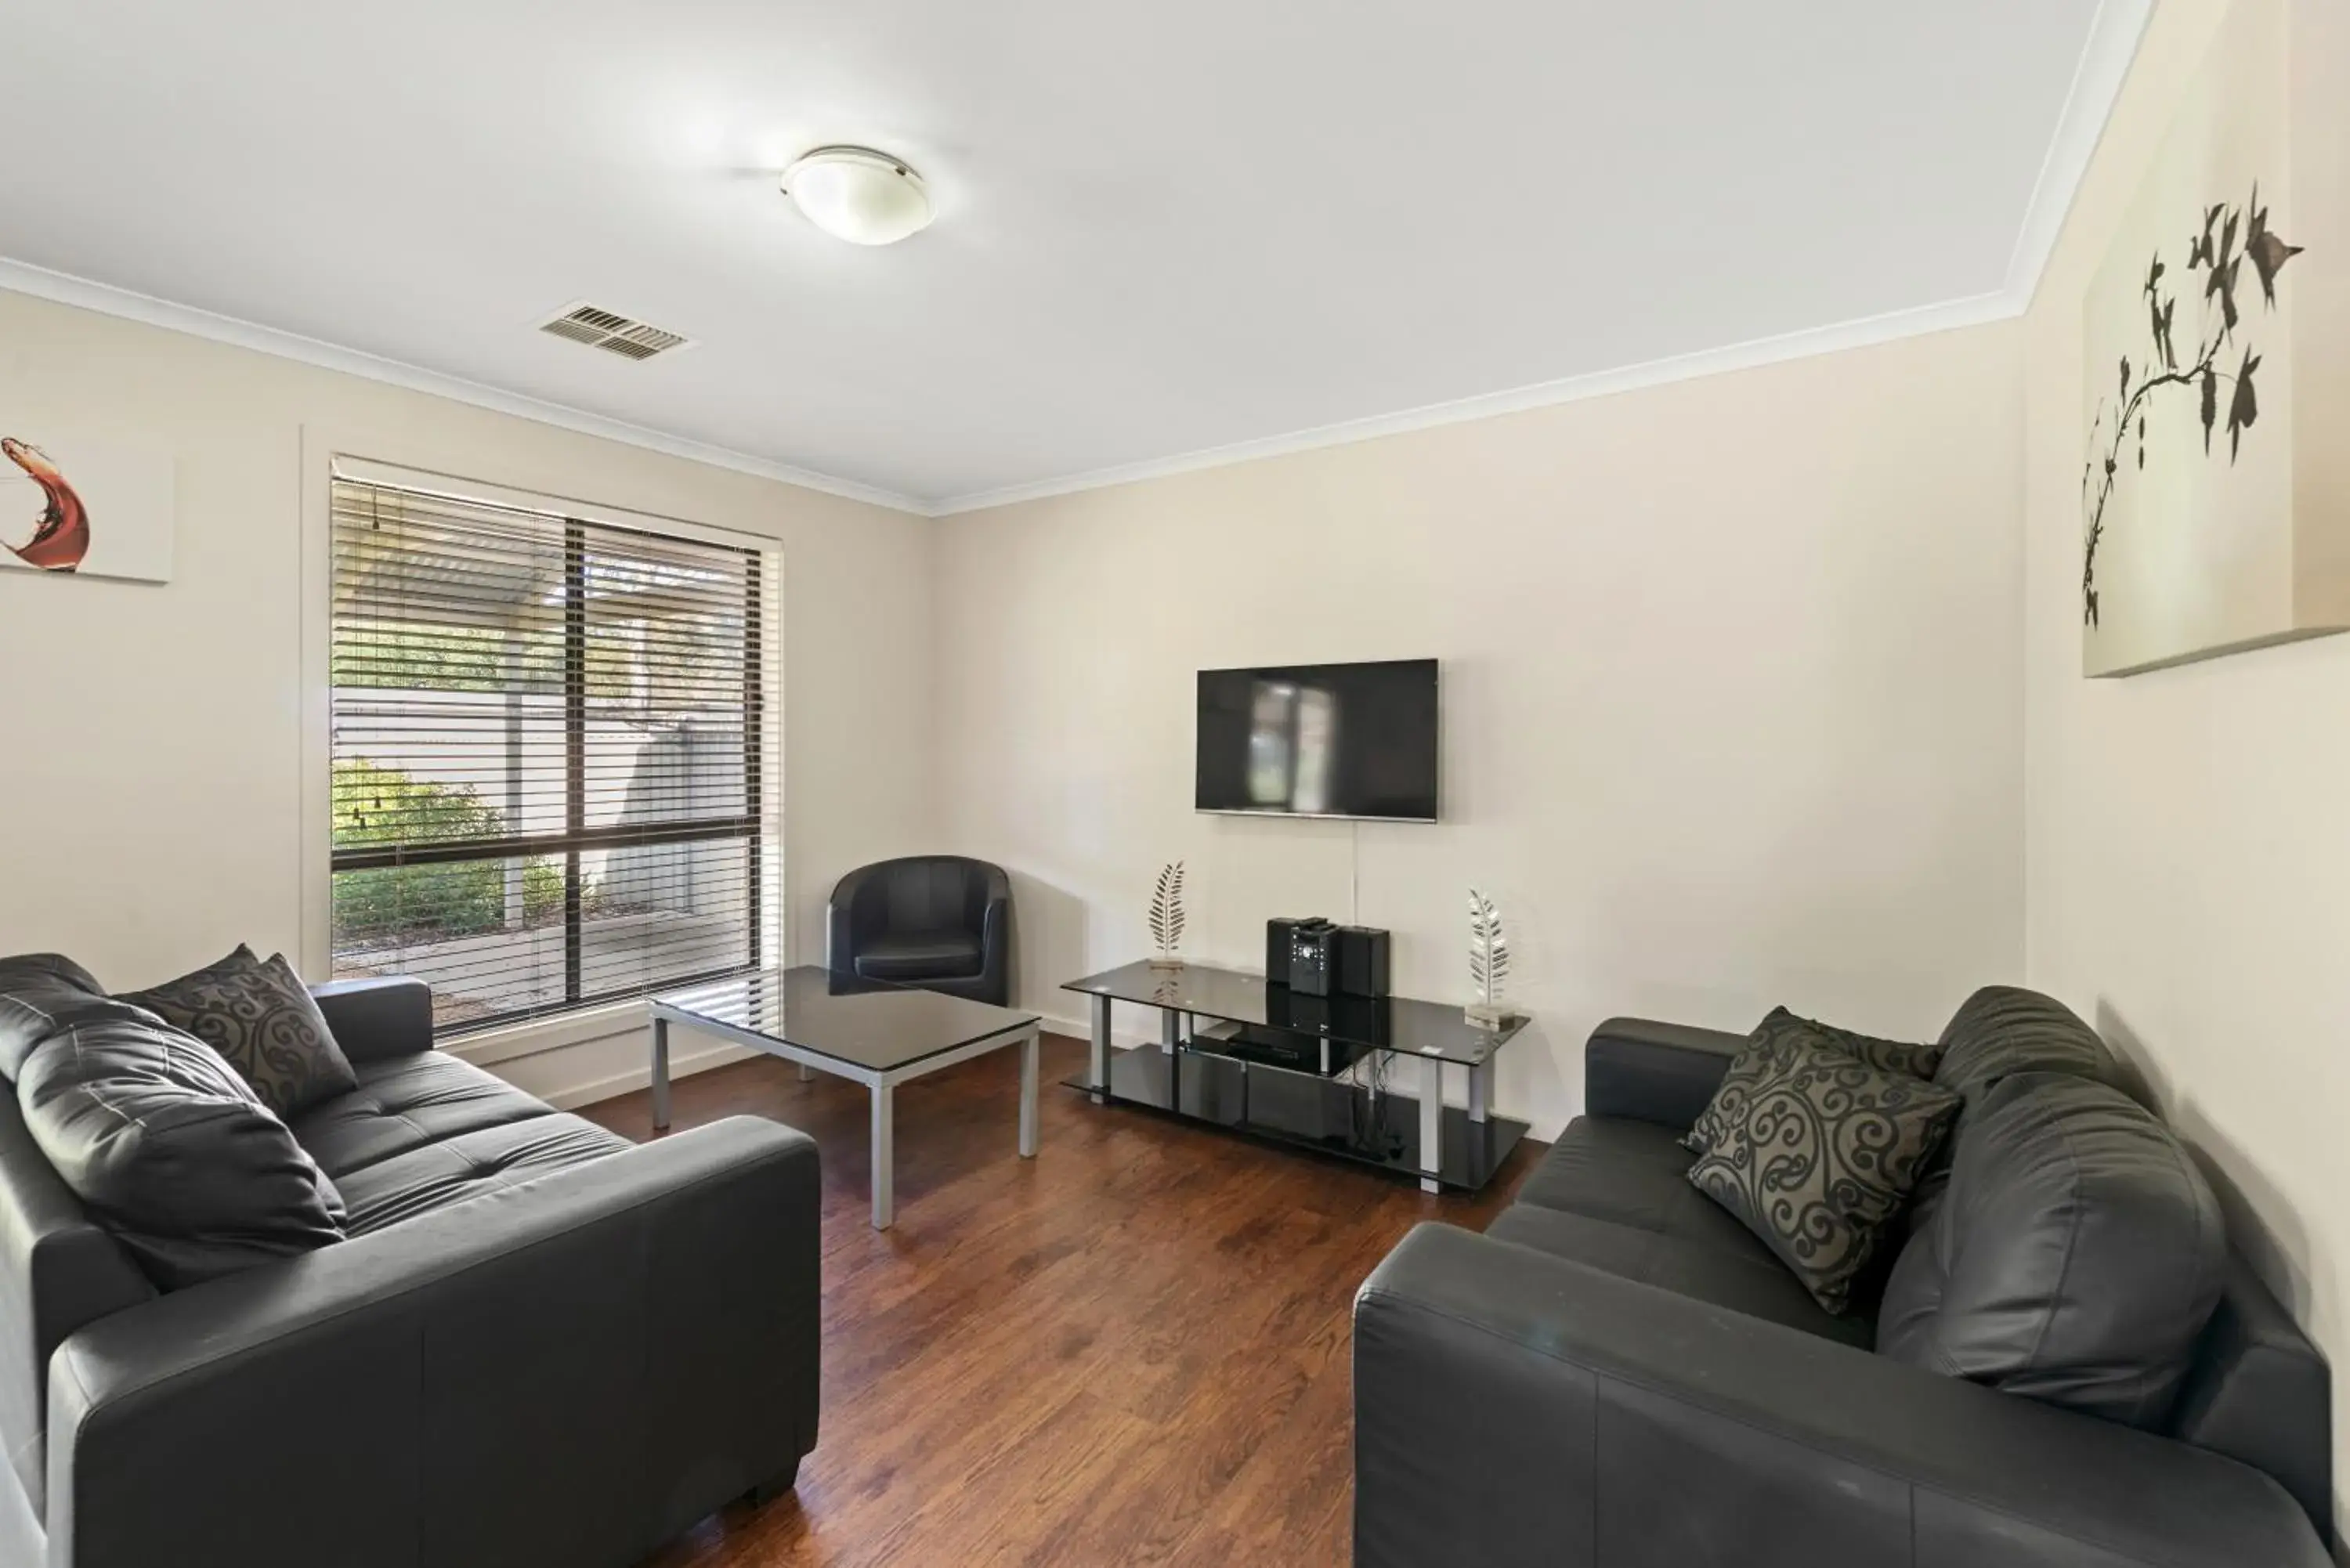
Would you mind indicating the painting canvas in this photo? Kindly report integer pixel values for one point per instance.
(72, 505)
(2215, 512)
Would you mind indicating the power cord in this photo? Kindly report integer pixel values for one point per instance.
(1354, 876)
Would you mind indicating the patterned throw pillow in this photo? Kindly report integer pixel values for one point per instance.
(1818, 1156)
(260, 1017)
(1884, 1055)
(1770, 1037)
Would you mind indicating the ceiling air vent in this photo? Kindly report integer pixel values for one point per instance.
(612, 332)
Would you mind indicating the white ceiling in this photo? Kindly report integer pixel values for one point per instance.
(1163, 230)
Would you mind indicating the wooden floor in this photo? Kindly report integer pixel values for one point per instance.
(1132, 1349)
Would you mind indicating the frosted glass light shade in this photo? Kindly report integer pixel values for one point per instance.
(865, 197)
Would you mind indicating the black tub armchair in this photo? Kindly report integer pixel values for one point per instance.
(939, 921)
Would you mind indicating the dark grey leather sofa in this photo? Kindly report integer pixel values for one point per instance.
(942, 922)
(1618, 1373)
(540, 1345)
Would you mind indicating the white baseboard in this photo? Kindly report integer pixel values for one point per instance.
(1079, 1029)
(613, 1085)
(572, 1064)
(581, 1058)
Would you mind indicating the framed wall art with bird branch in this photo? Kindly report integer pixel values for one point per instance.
(2218, 364)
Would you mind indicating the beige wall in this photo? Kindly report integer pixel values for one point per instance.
(151, 767)
(1730, 696)
(2188, 831)
(1760, 689)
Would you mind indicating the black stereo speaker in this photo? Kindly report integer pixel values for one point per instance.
(1362, 960)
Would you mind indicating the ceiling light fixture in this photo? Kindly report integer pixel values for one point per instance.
(865, 197)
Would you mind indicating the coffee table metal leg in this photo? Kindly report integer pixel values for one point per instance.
(1031, 1051)
(885, 1205)
(660, 1074)
(1432, 1121)
(1098, 1064)
(1481, 1091)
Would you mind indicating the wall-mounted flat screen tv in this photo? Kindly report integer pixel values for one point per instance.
(1320, 740)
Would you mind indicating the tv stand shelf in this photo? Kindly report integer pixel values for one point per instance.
(1304, 1071)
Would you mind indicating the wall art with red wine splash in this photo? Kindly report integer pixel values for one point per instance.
(76, 506)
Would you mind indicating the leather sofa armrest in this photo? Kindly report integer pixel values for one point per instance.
(375, 1019)
(1654, 1072)
(572, 1369)
(1514, 1409)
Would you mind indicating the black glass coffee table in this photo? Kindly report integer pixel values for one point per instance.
(1306, 1071)
(880, 1038)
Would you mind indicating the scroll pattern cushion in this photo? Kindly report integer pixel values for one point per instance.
(261, 1019)
(1818, 1156)
(1918, 1061)
(1770, 1037)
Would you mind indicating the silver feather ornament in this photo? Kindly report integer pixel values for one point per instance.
(1167, 913)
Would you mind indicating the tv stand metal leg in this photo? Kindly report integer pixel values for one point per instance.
(1097, 1062)
(1432, 1123)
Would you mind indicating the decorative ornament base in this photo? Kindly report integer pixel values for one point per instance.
(1166, 961)
(1487, 1015)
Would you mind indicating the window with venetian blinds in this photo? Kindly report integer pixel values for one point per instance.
(548, 753)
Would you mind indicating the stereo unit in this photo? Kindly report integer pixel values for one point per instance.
(1362, 963)
(1314, 958)
(1278, 940)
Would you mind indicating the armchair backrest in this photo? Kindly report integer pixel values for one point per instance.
(921, 893)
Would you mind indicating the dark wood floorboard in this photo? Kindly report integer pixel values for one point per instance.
(1132, 1349)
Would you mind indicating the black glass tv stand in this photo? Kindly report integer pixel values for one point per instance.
(1308, 1072)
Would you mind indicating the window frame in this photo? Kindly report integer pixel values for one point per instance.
(582, 1014)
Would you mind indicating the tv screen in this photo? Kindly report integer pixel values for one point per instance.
(1320, 740)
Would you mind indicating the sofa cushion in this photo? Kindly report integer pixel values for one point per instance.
(452, 1170)
(1999, 1031)
(259, 1016)
(59, 1271)
(170, 1149)
(1636, 1174)
(1780, 1030)
(40, 993)
(402, 1103)
(1818, 1156)
(2004, 1029)
(922, 956)
(1745, 1278)
(2075, 1258)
